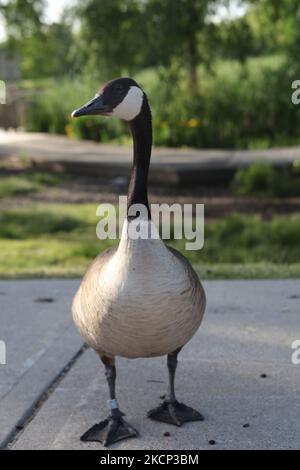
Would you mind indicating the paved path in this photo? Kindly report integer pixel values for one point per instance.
(53, 390)
(169, 166)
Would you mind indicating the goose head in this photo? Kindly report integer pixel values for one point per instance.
(121, 97)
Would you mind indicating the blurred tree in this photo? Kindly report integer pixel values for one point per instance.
(111, 33)
(129, 34)
(44, 49)
(181, 30)
(23, 18)
(277, 25)
(236, 39)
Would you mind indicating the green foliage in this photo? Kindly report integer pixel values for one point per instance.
(23, 18)
(211, 84)
(44, 50)
(27, 183)
(185, 31)
(243, 105)
(261, 179)
(109, 33)
(236, 106)
(53, 102)
(96, 129)
(236, 39)
(146, 33)
(276, 26)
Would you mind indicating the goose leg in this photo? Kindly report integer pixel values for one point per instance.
(171, 411)
(114, 428)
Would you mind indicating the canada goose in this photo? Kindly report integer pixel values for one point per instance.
(141, 299)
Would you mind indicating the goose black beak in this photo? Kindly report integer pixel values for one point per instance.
(94, 106)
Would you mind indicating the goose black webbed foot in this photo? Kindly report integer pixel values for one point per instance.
(111, 430)
(173, 412)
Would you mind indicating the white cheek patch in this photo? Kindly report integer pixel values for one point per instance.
(131, 105)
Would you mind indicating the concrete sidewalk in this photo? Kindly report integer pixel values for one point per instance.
(168, 166)
(52, 390)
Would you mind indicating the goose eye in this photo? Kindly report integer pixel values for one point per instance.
(119, 87)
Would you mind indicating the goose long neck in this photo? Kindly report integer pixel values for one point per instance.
(141, 129)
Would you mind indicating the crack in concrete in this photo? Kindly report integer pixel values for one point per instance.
(30, 414)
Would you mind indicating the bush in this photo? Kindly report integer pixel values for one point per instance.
(99, 130)
(51, 109)
(261, 179)
(236, 106)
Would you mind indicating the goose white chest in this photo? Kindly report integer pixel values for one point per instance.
(140, 300)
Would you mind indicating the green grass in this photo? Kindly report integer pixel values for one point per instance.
(27, 183)
(60, 241)
(262, 270)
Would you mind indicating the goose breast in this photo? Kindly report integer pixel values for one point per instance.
(140, 300)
